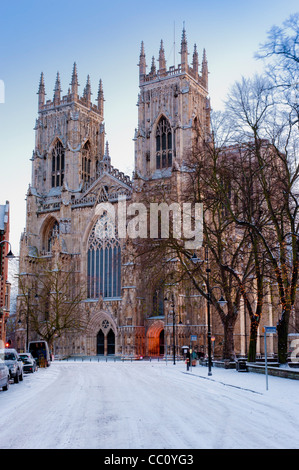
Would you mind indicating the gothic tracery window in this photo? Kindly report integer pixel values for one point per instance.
(158, 301)
(163, 144)
(57, 164)
(103, 262)
(86, 163)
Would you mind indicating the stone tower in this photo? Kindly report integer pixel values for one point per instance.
(173, 110)
(172, 103)
(71, 175)
(70, 138)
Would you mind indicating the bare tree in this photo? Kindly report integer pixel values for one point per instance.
(207, 179)
(50, 300)
(281, 53)
(272, 139)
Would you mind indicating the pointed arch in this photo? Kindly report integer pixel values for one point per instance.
(49, 231)
(102, 333)
(86, 162)
(164, 143)
(58, 163)
(103, 261)
(155, 339)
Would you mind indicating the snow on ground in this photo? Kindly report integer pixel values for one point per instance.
(148, 405)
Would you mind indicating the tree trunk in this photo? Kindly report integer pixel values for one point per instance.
(252, 341)
(228, 352)
(282, 331)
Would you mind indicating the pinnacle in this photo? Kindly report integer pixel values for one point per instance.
(41, 88)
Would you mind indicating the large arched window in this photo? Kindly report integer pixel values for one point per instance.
(57, 164)
(163, 144)
(86, 163)
(103, 263)
(158, 301)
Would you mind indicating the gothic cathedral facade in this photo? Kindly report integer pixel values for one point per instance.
(72, 173)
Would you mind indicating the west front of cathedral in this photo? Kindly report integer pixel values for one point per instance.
(72, 173)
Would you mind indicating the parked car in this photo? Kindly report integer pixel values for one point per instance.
(29, 362)
(14, 364)
(4, 375)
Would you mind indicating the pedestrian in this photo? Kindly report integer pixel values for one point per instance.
(188, 359)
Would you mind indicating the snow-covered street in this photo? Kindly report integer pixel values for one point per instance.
(148, 405)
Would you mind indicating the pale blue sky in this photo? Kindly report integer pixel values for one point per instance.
(104, 39)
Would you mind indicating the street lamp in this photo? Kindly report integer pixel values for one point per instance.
(10, 254)
(221, 302)
(173, 324)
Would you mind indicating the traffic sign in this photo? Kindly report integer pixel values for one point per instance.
(193, 337)
(269, 329)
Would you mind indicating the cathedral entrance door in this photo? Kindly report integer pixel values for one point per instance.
(100, 343)
(161, 343)
(155, 339)
(110, 342)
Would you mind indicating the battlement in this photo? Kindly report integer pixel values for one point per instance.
(72, 96)
(182, 68)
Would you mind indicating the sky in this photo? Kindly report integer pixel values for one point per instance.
(104, 39)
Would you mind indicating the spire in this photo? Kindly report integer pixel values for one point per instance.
(41, 92)
(184, 51)
(87, 90)
(57, 91)
(204, 69)
(162, 61)
(153, 67)
(74, 83)
(195, 61)
(106, 156)
(142, 63)
(100, 98)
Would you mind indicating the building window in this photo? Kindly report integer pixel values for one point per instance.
(158, 302)
(86, 163)
(163, 144)
(57, 165)
(103, 264)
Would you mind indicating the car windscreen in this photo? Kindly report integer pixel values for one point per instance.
(37, 349)
(25, 359)
(9, 356)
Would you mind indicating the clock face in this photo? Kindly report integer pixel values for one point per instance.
(105, 227)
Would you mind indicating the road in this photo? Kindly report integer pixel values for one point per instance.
(147, 405)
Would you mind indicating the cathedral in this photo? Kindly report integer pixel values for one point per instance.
(72, 173)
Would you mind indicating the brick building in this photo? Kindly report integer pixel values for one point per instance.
(4, 284)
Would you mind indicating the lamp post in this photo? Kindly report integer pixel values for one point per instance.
(221, 302)
(10, 254)
(173, 324)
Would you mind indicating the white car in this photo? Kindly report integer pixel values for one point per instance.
(14, 364)
(4, 375)
(29, 362)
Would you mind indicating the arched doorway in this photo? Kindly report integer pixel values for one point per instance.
(100, 343)
(161, 342)
(155, 339)
(106, 343)
(101, 335)
(110, 342)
